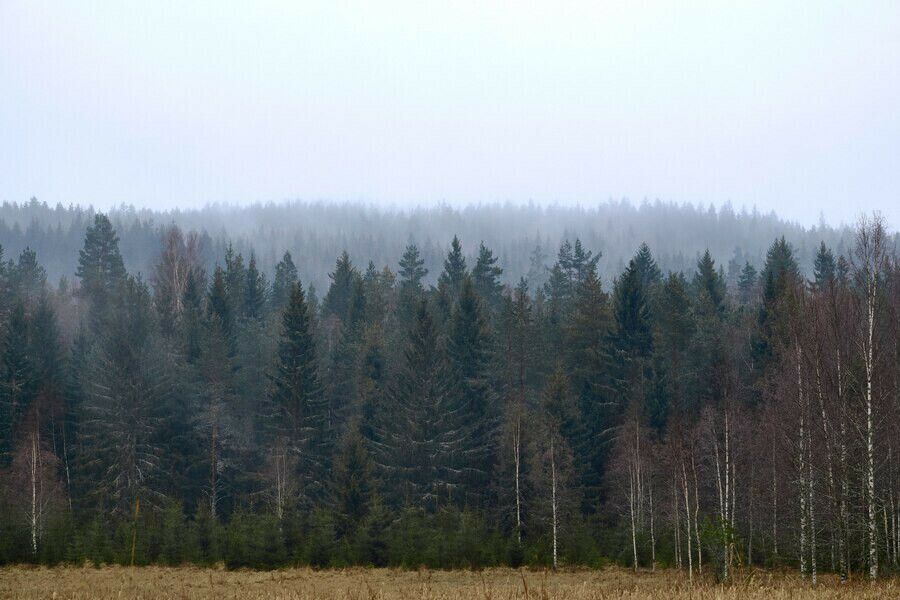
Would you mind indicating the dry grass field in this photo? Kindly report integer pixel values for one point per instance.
(364, 584)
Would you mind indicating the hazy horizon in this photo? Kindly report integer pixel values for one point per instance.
(788, 108)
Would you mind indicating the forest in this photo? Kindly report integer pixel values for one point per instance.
(169, 396)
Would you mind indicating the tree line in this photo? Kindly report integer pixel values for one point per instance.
(524, 238)
(660, 418)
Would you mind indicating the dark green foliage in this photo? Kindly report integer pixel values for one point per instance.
(352, 487)
(454, 268)
(126, 390)
(255, 291)
(474, 397)
(747, 284)
(18, 380)
(423, 427)
(707, 281)
(100, 267)
(297, 391)
(647, 270)
(413, 421)
(218, 303)
(339, 299)
(486, 275)
(285, 278)
(824, 267)
(778, 277)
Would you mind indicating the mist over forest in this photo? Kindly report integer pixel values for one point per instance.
(316, 232)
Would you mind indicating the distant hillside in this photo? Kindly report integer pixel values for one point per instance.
(315, 233)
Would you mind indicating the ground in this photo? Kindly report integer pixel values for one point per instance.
(352, 584)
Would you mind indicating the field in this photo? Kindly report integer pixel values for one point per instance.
(353, 584)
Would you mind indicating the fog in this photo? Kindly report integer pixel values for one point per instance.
(784, 106)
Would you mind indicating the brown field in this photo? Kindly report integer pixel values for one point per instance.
(352, 584)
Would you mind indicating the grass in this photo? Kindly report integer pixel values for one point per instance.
(387, 584)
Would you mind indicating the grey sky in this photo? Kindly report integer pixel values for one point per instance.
(792, 106)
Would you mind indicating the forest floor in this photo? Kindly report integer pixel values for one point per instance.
(388, 584)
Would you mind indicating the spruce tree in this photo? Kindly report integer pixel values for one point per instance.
(454, 269)
(674, 330)
(411, 274)
(219, 305)
(631, 338)
(583, 262)
(747, 284)
(707, 280)
(486, 276)
(235, 280)
(352, 485)
(589, 359)
(100, 268)
(421, 430)
(824, 268)
(469, 355)
(27, 278)
(285, 278)
(648, 271)
(255, 291)
(297, 392)
(779, 275)
(190, 325)
(18, 381)
(339, 299)
(127, 388)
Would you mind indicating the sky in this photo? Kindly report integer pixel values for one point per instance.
(786, 106)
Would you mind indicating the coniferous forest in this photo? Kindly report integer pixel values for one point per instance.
(520, 405)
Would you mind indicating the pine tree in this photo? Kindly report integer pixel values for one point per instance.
(583, 262)
(411, 270)
(566, 263)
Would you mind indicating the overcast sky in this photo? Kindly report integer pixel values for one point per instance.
(792, 106)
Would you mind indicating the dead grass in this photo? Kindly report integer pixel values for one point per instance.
(387, 584)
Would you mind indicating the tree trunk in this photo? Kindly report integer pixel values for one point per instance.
(553, 500)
